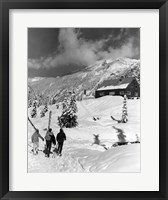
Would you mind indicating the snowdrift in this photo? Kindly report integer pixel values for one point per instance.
(124, 158)
(80, 153)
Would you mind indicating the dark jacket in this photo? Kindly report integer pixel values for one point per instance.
(61, 136)
(50, 137)
(53, 139)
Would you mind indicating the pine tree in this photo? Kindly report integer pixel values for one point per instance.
(68, 118)
(34, 110)
(45, 108)
(30, 99)
(29, 103)
(40, 100)
(43, 112)
(124, 111)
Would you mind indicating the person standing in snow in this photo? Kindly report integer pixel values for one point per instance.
(50, 138)
(61, 137)
(35, 140)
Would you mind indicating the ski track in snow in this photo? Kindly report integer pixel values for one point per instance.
(65, 163)
(80, 154)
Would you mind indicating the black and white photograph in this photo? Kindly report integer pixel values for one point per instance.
(83, 99)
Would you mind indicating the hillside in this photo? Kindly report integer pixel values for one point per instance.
(80, 152)
(88, 79)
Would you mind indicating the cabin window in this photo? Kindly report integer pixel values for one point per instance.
(122, 92)
(101, 93)
(128, 93)
(111, 93)
(136, 94)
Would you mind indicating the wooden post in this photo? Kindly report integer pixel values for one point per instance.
(49, 121)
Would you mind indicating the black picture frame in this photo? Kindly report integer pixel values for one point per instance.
(5, 6)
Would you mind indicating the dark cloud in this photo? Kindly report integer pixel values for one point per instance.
(77, 48)
(42, 41)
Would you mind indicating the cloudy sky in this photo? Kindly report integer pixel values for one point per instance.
(58, 51)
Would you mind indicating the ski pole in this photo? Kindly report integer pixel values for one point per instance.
(32, 123)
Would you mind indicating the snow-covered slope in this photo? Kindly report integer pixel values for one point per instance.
(120, 159)
(88, 79)
(80, 153)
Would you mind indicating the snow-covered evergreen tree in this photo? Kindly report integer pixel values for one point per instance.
(30, 99)
(68, 118)
(45, 108)
(34, 110)
(43, 112)
(40, 100)
(29, 103)
(124, 110)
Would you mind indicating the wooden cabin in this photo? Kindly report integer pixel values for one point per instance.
(119, 87)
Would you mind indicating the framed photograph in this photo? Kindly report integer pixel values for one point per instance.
(83, 99)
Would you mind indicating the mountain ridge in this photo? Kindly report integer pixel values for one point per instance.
(87, 79)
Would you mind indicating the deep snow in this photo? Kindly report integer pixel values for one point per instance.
(80, 154)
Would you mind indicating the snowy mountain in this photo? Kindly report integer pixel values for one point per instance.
(87, 79)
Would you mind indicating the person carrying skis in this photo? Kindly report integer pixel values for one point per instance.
(35, 140)
(50, 138)
(61, 137)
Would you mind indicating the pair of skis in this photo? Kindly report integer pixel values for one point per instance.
(49, 121)
(119, 121)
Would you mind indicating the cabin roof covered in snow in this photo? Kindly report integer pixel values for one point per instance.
(112, 84)
(112, 87)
